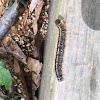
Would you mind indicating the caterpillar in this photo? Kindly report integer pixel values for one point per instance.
(60, 49)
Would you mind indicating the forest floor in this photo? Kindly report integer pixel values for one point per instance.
(21, 49)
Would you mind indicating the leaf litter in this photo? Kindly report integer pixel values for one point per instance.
(21, 44)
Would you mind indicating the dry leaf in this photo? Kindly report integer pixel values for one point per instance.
(25, 18)
(38, 9)
(35, 27)
(34, 88)
(1, 6)
(17, 53)
(18, 70)
(34, 65)
(35, 98)
(37, 14)
(35, 52)
(17, 67)
(2, 50)
(33, 5)
(6, 41)
(36, 79)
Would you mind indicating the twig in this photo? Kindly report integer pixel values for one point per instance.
(8, 18)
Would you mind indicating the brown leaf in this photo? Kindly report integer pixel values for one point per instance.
(35, 53)
(35, 98)
(37, 14)
(17, 53)
(34, 65)
(35, 27)
(34, 88)
(1, 12)
(2, 50)
(25, 18)
(1, 6)
(38, 9)
(36, 79)
(6, 41)
(18, 70)
(33, 5)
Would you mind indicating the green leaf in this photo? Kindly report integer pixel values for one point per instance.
(5, 78)
(2, 64)
(1, 99)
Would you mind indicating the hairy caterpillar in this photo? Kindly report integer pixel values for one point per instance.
(60, 48)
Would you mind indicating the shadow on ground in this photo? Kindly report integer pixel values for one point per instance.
(91, 13)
